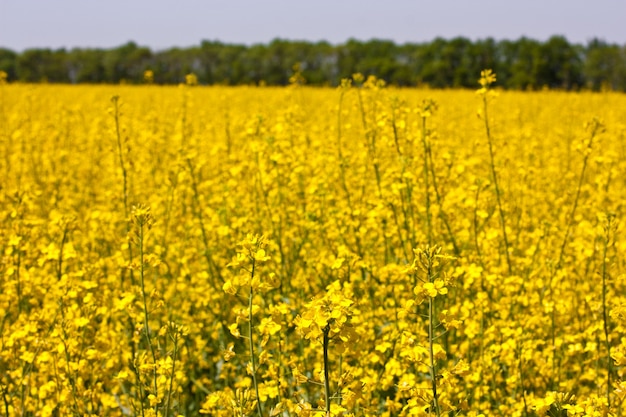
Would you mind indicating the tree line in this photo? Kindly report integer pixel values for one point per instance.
(520, 64)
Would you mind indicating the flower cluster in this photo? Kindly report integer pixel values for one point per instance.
(411, 260)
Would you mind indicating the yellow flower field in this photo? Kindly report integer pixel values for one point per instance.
(298, 251)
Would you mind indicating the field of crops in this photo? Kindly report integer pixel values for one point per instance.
(298, 251)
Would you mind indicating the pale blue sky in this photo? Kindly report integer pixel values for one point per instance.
(162, 24)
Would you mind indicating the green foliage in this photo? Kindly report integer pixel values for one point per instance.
(521, 64)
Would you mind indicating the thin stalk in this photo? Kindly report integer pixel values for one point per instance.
(169, 391)
(251, 344)
(433, 369)
(399, 228)
(555, 367)
(120, 153)
(326, 331)
(426, 183)
(344, 184)
(4, 398)
(521, 378)
(18, 265)
(409, 212)
(60, 260)
(174, 173)
(370, 137)
(146, 329)
(168, 209)
(141, 391)
(403, 159)
(442, 213)
(605, 315)
(395, 127)
(69, 372)
(197, 210)
(370, 140)
(431, 337)
(596, 127)
(497, 186)
(476, 244)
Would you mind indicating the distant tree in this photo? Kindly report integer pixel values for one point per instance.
(523, 58)
(348, 56)
(86, 66)
(36, 65)
(8, 63)
(171, 66)
(126, 63)
(605, 66)
(320, 64)
(377, 57)
(210, 61)
(520, 64)
(559, 64)
(434, 68)
(484, 54)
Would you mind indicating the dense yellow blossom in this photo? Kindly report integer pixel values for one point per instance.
(360, 251)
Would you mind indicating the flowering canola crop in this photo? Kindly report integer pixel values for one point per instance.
(360, 251)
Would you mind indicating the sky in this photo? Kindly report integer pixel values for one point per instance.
(161, 24)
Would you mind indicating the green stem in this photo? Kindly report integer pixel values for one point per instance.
(169, 391)
(120, 153)
(572, 213)
(433, 369)
(197, 210)
(326, 331)
(145, 310)
(521, 378)
(442, 213)
(60, 260)
(251, 345)
(4, 398)
(69, 372)
(426, 183)
(431, 340)
(605, 316)
(476, 244)
(495, 182)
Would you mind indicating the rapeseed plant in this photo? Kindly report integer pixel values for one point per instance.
(346, 305)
